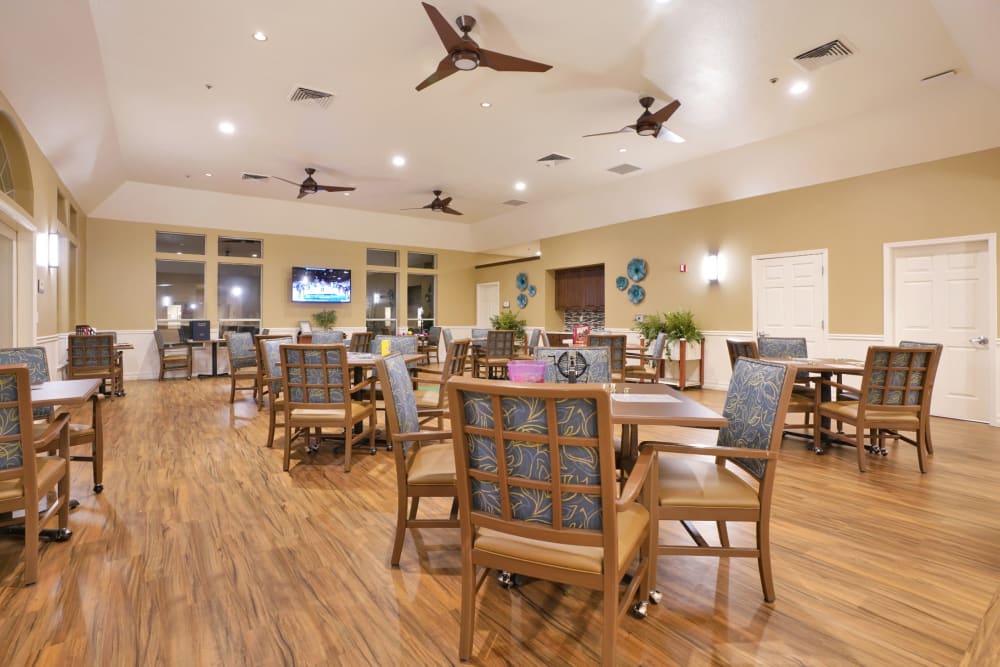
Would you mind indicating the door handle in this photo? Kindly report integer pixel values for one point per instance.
(980, 340)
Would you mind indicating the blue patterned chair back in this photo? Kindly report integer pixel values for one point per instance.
(499, 343)
(533, 338)
(272, 360)
(401, 403)
(897, 376)
(15, 415)
(401, 344)
(597, 360)
(931, 363)
(655, 349)
(479, 333)
(91, 353)
(38, 369)
(755, 411)
(503, 424)
(616, 344)
(434, 336)
(327, 337)
(315, 374)
(361, 341)
(448, 337)
(782, 348)
(241, 352)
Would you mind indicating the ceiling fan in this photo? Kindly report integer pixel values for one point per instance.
(437, 205)
(650, 124)
(465, 54)
(311, 187)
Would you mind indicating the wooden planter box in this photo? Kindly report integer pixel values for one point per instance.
(686, 366)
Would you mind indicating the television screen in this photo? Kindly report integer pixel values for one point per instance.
(313, 285)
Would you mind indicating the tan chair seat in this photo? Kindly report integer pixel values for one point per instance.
(427, 397)
(49, 469)
(433, 464)
(335, 417)
(631, 525)
(800, 403)
(689, 481)
(244, 371)
(885, 418)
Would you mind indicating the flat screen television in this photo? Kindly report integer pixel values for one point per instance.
(316, 285)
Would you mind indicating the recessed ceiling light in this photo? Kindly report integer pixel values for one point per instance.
(485, 105)
(538, 253)
(398, 160)
(622, 150)
(347, 194)
(799, 87)
(208, 173)
(259, 36)
(520, 186)
(226, 127)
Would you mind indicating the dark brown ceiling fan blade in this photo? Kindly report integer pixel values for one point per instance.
(285, 180)
(303, 192)
(448, 209)
(445, 201)
(626, 129)
(445, 68)
(334, 188)
(666, 112)
(448, 36)
(504, 63)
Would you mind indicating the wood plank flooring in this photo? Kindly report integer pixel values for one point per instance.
(201, 551)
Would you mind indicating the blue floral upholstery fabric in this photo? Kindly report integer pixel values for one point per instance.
(401, 344)
(751, 407)
(895, 379)
(327, 337)
(401, 389)
(315, 376)
(447, 337)
(533, 338)
(434, 336)
(241, 352)
(272, 359)
(597, 360)
(615, 343)
(782, 348)
(655, 349)
(525, 459)
(10, 422)
(38, 369)
(91, 351)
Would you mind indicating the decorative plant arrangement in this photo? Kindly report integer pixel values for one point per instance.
(507, 320)
(325, 319)
(677, 325)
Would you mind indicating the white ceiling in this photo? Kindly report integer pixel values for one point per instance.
(114, 91)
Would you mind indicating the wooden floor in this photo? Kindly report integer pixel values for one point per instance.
(201, 551)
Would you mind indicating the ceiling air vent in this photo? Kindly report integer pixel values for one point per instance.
(515, 202)
(247, 176)
(823, 55)
(320, 98)
(624, 168)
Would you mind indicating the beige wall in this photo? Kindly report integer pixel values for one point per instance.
(851, 218)
(121, 290)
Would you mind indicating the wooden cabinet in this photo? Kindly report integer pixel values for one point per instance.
(580, 287)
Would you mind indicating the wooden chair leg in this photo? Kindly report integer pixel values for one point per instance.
(764, 560)
(288, 446)
(414, 504)
(609, 623)
(31, 541)
(467, 624)
(921, 447)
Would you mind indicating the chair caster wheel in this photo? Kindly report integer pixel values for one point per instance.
(388, 447)
(639, 609)
(98, 488)
(62, 534)
(372, 451)
(506, 580)
(73, 503)
(655, 597)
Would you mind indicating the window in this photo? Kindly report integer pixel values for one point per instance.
(6, 177)
(180, 244)
(235, 247)
(380, 313)
(382, 257)
(239, 293)
(180, 290)
(420, 301)
(421, 260)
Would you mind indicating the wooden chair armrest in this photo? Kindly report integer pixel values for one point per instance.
(430, 380)
(707, 450)
(636, 479)
(419, 436)
(51, 433)
(432, 412)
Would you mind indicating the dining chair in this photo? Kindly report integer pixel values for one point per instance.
(433, 345)
(590, 364)
(327, 337)
(690, 487)
(425, 460)
(318, 394)
(91, 434)
(493, 357)
(803, 400)
(242, 363)
(741, 348)
(263, 386)
(93, 357)
(118, 384)
(894, 396)
(174, 353)
(436, 398)
(932, 374)
(531, 343)
(361, 341)
(537, 495)
(651, 362)
(616, 346)
(269, 349)
(25, 477)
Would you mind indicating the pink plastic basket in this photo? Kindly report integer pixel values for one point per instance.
(526, 370)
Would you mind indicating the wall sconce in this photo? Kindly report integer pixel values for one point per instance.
(53, 251)
(713, 268)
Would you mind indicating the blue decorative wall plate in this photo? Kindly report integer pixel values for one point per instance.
(522, 300)
(636, 269)
(532, 291)
(621, 282)
(522, 281)
(636, 294)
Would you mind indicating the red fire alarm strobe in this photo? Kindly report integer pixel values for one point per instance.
(684, 268)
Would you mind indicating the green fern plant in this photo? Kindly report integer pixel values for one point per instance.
(676, 324)
(325, 319)
(507, 320)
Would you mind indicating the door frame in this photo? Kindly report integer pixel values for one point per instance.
(889, 255)
(479, 297)
(824, 283)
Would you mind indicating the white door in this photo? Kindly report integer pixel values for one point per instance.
(487, 303)
(943, 295)
(790, 297)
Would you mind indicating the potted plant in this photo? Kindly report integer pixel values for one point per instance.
(683, 341)
(507, 320)
(325, 319)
